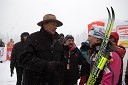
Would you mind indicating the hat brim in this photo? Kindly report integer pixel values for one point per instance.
(59, 23)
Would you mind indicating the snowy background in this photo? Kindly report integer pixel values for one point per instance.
(17, 16)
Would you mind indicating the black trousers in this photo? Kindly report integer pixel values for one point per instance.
(68, 79)
(19, 71)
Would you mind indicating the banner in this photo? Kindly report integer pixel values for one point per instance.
(97, 23)
(3, 53)
(123, 35)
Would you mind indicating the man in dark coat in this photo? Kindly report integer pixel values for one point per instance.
(73, 61)
(2, 43)
(15, 56)
(43, 54)
(61, 38)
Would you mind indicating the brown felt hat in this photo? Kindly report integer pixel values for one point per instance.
(50, 18)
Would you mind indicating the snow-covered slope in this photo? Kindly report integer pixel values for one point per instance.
(5, 78)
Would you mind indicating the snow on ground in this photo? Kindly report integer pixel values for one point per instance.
(5, 78)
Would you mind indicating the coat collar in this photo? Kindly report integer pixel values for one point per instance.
(48, 35)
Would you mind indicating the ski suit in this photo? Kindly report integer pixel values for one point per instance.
(111, 73)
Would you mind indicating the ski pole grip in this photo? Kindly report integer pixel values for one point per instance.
(102, 63)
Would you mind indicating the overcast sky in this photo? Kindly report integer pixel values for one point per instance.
(17, 16)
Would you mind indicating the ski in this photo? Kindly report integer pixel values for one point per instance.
(101, 59)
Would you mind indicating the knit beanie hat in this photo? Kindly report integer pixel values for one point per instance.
(24, 34)
(116, 36)
(97, 31)
(68, 37)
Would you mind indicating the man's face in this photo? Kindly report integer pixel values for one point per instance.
(70, 42)
(11, 40)
(93, 40)
(50, 27)
(112, 39)
(61, 37)
(25, 38)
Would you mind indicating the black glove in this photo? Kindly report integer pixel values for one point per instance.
(12, 72)
(54, 66)
(126, 79)
(54, 72)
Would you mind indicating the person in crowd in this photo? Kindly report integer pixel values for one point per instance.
(111, 72)
(61, 38)
(10, 44)
(73, 61)
(15, 56)
(43, 55)
(2, 43)
(114, 37)
(85, 50)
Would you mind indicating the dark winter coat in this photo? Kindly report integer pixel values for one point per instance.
(76, 61)
(41, 49)
(2, 44)
(126, 74)
(15, 55)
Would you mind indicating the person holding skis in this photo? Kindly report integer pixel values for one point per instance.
(43, 55)
(74, 62)
(15, 56)
(111, 72)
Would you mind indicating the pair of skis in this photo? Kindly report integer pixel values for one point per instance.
(101, 56)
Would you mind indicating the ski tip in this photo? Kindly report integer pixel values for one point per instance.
(107, 8)
(111, 7)
(108, 12)
(113, 13)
